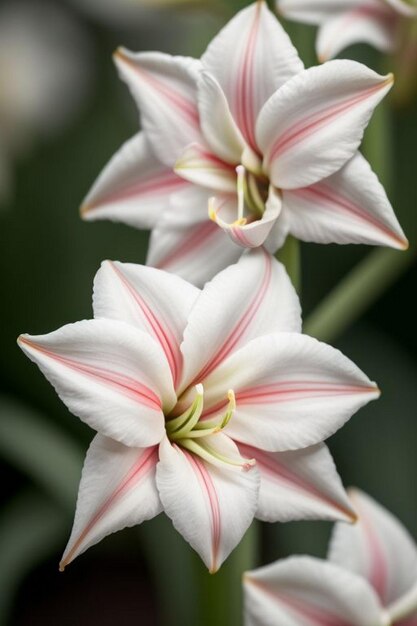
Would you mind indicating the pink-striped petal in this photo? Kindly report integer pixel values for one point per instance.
(314, 124)
(315, 11)
(111, 375)
(248, 233)
(372, 22)
(304, 591)
(251, 57)
(134, 187)
(198, 165)
(349, 207)
(250, 299)
(211, 507)
(189, 244)
(378, 548)
(117, 490)
(299, 485)
(217, 123)
(291, 390)
(165, 89)
(153, 301)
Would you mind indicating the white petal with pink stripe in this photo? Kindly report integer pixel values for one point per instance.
(314, 124)
(133, 188)
(378, 548)
(117, 490)
(211, 509)
(350, 206)
(111, 375)
(299, 484)
(165, 89)
(302, 591)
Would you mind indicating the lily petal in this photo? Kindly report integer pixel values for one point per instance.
(165, 89)
(134, 187)
(200, 166)
(217, 123)
(211, 507)
(117, 490)
(251, 57)
(378, 548)
(314, 124)
(153, 301)
(187, 243)
(111, 375)
(250, 299)
(251, 234)
(291, 391)
(349, 207)
(299, 484)
(316, 11)
(304, 591)
(370, 22)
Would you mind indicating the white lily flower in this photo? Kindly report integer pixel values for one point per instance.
(271, 147)
(346, 22)
(209, 405)
(370, 578)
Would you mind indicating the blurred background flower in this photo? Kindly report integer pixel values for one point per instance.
(49, 257)
(45, 74)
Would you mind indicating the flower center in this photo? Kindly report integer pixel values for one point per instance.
(197, 435)
(252, 194)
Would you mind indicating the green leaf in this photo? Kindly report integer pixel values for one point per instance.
(31, 529)
(36, 447)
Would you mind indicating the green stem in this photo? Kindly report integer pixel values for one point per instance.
(356, 292)
(377, 144)
(220, 597)
(290, 256)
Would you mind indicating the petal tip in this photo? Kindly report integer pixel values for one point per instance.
(62, 566)
(84, 209)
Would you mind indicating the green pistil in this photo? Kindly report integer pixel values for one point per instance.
(183, 425)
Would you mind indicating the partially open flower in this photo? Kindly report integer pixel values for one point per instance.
(370, 578)
(346, 22)
(209, 405)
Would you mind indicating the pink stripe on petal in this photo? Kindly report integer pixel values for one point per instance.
(209, 491)
(146, 462)
(300, 390)
(187, 109)
(244, 92)
(378, 569)
(242, 325)
(276, 471)
(311, 124)
(123, 384)
(160, 184)
(317, 615)
(197, 236)
(327, 196)
(164, 335)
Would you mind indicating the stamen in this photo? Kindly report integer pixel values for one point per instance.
(209, 454)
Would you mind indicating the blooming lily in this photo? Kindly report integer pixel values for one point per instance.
(370, 578)
(346, 22)
(209, 405)
(269, 147)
